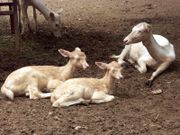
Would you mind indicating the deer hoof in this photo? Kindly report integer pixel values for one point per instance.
(148, 83)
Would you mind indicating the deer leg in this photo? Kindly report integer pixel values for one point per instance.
(125, 51)
(141, 66)
(70, 98)
(23, 25)
(20, 17)
(131, 61)
(101, 97)
(27, 19)
(159, 70)
(62, 102)
(123, 54)
(23, 9)
(35, 18)
(33, 92)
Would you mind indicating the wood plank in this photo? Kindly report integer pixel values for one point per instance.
(8, 4)
(6, 12)
(13, 19)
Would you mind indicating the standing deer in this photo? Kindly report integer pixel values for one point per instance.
(52, 17)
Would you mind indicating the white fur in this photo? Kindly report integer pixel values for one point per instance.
(85, 90)
(147, 49)
(33, 80)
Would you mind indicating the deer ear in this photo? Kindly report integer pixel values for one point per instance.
(64, 53)
(148, 28)
(78, 49)
(52, 16)
(101, 65)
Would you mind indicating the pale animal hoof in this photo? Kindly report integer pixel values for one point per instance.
(55, 104)
(156, 92)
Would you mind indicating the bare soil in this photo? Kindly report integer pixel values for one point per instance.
(98, 27)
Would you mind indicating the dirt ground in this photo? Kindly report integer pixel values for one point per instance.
(98, 27)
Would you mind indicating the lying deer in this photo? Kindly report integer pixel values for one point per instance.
(146, 49)
(32, 80)
(86, 90)
(52, 17)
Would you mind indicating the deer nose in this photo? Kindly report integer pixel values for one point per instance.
(125, 41)
(121, 77)
(85, 65)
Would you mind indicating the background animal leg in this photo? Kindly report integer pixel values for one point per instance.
(35, 19)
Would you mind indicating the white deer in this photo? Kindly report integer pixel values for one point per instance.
(88, 90)
(52, 17)
(32, 80)
(146, 49)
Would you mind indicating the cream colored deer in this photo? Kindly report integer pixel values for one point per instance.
(88, 90)
(146, 49)
(52, 17)
(32, 80)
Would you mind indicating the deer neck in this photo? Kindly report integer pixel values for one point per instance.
(38, 4)
(67, 71)
(107, 80)
(153, 47)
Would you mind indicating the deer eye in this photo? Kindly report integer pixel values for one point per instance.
(72, 58)
(114, 71)
(78, 59)
(57, 25)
